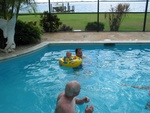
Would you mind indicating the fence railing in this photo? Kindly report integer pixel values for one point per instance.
(137, 19)
(134, 21)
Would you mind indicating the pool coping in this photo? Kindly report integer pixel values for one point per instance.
(45, 43)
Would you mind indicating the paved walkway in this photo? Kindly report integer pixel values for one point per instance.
(97, 36)
(78, 37)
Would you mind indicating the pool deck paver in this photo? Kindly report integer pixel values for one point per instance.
(80, 37)
(97, 36)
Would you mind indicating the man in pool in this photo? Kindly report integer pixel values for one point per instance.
(138, 87)
(67, 100)
(78, 52)
(147, 106)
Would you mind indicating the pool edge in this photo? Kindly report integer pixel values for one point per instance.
(45, 43)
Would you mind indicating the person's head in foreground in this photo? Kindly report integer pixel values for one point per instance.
(67, 100)
(72, 89)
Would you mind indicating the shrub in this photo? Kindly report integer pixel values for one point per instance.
(116, 17)
(50, 22)
(94, 26)
(26, 33)
(65, 28)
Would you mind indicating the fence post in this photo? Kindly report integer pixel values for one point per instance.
(98, 15)
(49, 2)
(145, 16)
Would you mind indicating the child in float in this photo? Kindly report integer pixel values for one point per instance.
(68, 56)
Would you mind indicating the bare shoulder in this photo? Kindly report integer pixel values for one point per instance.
(64, 106)
(60, 95)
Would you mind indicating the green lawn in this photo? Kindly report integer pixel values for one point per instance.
(133, 22)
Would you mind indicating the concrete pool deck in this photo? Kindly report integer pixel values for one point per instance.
(97, 36)
(80, 37)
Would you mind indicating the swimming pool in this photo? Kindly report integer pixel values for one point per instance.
(32, 82)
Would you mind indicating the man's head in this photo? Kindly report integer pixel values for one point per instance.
(72, 88)
(78, 52)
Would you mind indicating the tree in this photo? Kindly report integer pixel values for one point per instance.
(116, 16)
(9, 7)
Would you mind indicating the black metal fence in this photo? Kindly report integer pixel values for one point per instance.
(77, 17)
(135, 21)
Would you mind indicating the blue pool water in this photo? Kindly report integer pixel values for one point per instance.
(32, 82)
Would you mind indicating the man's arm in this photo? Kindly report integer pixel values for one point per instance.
(89, 109)
(81, 101)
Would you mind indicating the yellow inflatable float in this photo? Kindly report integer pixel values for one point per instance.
(72, 62)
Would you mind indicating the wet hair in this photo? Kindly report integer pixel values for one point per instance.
(71, 88)
(77, 49)
(68, 53)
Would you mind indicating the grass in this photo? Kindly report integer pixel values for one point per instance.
(133, 22)
(77, 21)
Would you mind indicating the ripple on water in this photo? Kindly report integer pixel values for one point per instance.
(107, 77)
